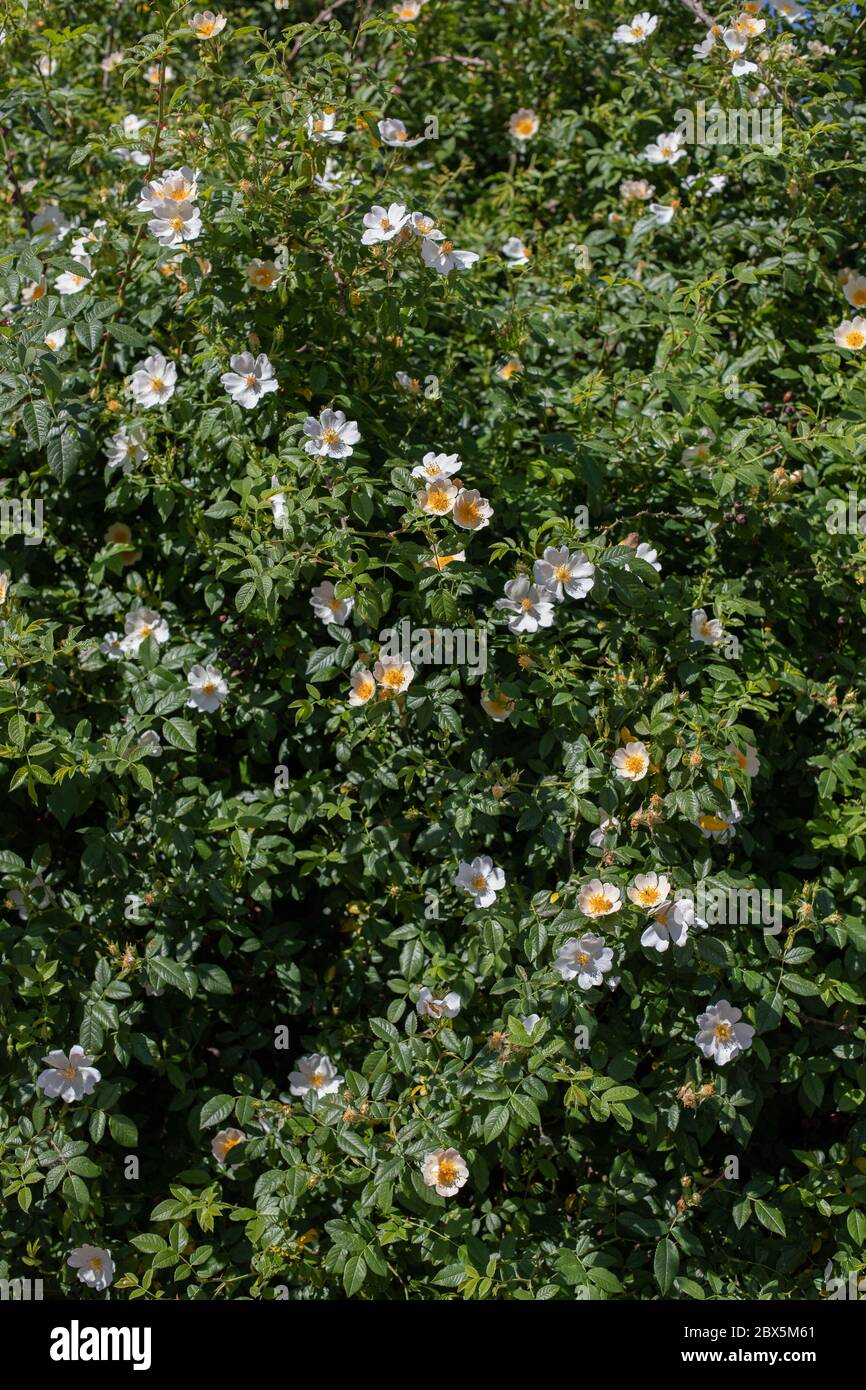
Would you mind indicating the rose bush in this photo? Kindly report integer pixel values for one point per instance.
(449, 582)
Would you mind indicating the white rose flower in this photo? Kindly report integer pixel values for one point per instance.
(665, 149)
(472, 512)
(632, 762)
(430, 1005)
(250, 379)
(263, 275)
(481, 878)
(587, 960)
(421, 224)
(704, 629)
(321, 129)
(445, 1170)
(207, 688)
(363, 687)
(127, 448)
(395, 134)
(607, 825)
(854, 290)
(207, 25)
(438, 498)
(224, 1141)
(434, 466)
(112, 646)
(332, 435)
(530, 608)
(153, 381)
(383, 224)
(95, 1266)
(50, 219)
(71, 1078)
(516, 251)
(56, 339)
(718, 827)
(638, 31)
(670, 924)
(561, 572)
(597, 899)
(140, 624)
(393, 675)
(722, 1036)
(736, 43)
(850, 334)
(442, 255)
(748, 760)
(175, 224)
(649, 890)
(315, 1073)
(278, 503)
(69, 282)
(523, 124)
(327, 607)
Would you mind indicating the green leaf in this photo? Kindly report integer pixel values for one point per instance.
(215, 1110)
(180, 733)
(771, 1218)
(666, 1264)
(354, 1274)
(856, 1223)
(123, 1131)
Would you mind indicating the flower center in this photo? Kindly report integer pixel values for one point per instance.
(330, 436)
(208, 688)
(386, 225)
(855, 339)
(563, 574)
(393, 678)
(176, 224)
(634, 763)
(69, 1073)
(859, 297)
(525, 126)
(723, 1031)
(526, 604)
(317, 1079)
(479, 883)
(230, 1142)
(648, 896)
(471, 512)
(438, 500)
(598, 903)
(156, 383)
(95, 1263)
(583, 958)
(251, 378)
(206, 27)
(447, 248)
(447, 1173)
(365, 688)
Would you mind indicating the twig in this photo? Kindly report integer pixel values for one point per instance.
(699, 12)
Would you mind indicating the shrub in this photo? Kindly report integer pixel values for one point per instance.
(360, 765)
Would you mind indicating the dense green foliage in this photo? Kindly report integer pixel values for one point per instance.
(279, 882)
